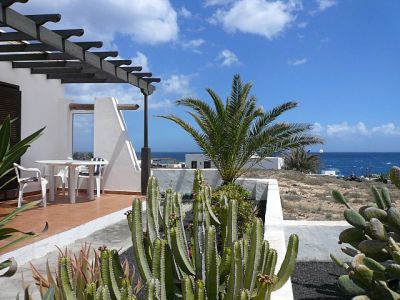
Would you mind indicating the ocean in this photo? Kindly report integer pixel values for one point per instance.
(345, 163)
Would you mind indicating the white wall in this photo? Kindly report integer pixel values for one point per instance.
(317, 239)
(42, 104)
(112, 142)
(267, 163)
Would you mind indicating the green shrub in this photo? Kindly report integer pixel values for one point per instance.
(246, 207)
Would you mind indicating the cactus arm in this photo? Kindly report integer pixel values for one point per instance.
(231, 235)
(137, 241)
(207, 197)
(126, 290)
(66, 286)
(199, 237)
(264, 254)
(385, 195)
(289, 262)
(158, 267)
(254, 256)
(172, 274)
(152, 209)
(148, 248)
(116, 273)
(90, 291)
(105, 270)
(378, 198)
(354, 218)
(200, 291)
(267, 278)
(179, 255)
(349, 287)
(177, 205)
(340, 198)
(236, 274)
(225, 265)
(339, 262)
(212, 269)
(394, 175)
(167, 212)
(224, 219)
(187, 288)
(153, 289)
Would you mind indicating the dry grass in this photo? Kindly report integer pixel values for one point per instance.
(307, 197)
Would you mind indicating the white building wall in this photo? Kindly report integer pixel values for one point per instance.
(112, 142)
(199, 158)
(42, 104)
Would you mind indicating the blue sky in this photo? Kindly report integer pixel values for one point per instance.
(338, 58)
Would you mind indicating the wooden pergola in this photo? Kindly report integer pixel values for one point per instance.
(49, 52)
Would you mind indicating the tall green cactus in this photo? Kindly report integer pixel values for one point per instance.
(374, 239)
(190, 262)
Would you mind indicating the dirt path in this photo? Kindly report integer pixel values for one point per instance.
(306, 197)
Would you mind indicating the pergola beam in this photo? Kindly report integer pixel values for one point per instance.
(25, 47)
(91, 80)
(81, 106)
(21, 36)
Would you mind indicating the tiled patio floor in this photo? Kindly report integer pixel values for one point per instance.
(61, 215)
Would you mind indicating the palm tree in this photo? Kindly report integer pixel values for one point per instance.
(231, 133)
(301, 160)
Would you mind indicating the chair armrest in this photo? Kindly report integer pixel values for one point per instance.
(36, 170)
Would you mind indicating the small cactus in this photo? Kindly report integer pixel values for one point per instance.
(185, 262)
(374, 272)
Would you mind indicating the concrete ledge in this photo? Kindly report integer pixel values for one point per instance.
(318, 239)
(42, 247)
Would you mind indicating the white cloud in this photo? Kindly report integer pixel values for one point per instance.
(185, 13)
(178, 84)
(141, 60)
(261, 17)
(216, 2)
(356, 131)
(325, 4)
(297, 62)
(302, 24)
(149, 22)
(193, 45)
(227, 58)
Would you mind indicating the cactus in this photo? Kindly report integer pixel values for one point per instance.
(374, 272)
(207, 260)
(78, 279)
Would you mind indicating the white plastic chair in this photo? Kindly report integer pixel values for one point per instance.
(98, 173)
(61, 173)
(23, 181)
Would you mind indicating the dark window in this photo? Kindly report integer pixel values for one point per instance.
(10, 105)
(194, 164)
(207, 164)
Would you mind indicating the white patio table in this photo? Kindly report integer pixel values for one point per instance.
(71, 164)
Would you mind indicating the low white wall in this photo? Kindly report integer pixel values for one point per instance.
(42, 104)
(181, 180)
(318, 239)
(112, 142)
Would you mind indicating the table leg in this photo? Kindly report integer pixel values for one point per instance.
(71, 183)
(90, 183)
(52, 187)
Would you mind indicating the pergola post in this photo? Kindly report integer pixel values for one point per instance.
(146, 151)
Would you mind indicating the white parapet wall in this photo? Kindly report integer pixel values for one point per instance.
(318, 239)
(181, 180)
(112, 142)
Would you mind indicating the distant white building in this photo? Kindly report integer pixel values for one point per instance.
(201, 161)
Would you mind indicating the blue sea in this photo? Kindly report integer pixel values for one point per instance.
(346, 163)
